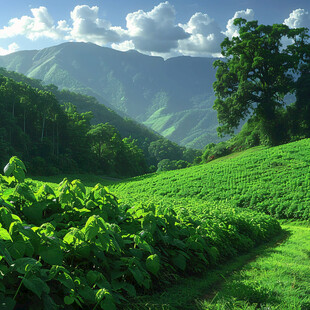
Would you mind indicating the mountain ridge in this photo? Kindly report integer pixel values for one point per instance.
(166, 95)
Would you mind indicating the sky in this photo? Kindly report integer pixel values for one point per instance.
(160, 28)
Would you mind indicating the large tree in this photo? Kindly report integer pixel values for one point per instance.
(257, 73)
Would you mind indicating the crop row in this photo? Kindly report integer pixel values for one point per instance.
(275, 181)
(70, 248)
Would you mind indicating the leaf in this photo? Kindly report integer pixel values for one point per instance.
(179, 261)
(69, 300)
(34, 212)
(65, 279)
(36, 285)
(92, 277)
(17, 249)
(5, 253)
(18, 162)
(21, 264)
(8, 169)
(78, 188)
(48, 190)
(6, 303)
(101, 294)
(4, 234)
(137, 274)
(108, 304)
(25, 191)
(51, 254)
(153, 264)
(91, 228)
(19, 174)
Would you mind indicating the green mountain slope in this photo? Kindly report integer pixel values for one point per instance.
(272, 180)
(173, 97)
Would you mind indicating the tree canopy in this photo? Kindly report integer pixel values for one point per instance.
(261, 67)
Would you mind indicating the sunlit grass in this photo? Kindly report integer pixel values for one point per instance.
(278, 279)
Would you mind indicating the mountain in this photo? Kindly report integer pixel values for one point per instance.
(173, 97)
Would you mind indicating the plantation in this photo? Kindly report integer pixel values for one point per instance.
(270, 180)
(69, 247)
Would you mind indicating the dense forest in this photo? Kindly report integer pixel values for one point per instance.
(53, 131)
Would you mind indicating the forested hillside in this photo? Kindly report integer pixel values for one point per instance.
(42, 125)
(173, 97)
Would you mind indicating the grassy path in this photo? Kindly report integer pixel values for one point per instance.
(278, 279)
(272, 276)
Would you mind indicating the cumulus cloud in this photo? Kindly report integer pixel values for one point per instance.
(11, 49)
(205, 38)
(39, 25)
(298, 18)
(88, 27)
(155, 31)
(123, 46)
(231, 29)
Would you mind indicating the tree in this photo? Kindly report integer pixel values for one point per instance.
(257, 74)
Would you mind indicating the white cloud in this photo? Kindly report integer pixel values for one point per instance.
(39, 25)
(11, 49)
(298, 18)
(155, 31)
(124, 46)
(205, 38)
(231, 29)
(88, 27)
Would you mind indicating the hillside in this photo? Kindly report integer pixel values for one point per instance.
(271, 180)
(173, 97)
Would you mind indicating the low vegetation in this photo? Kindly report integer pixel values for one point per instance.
(270, 180)
(70, 247)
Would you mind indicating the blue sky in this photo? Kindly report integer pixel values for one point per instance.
(164, 28)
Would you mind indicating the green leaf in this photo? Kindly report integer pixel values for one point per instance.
(179, 261)
(51, 254)
(101, 294)
(153, 264)
(36, 285)
(6, 303)
(5, 253)
(18, 162)
(48, 190)
(65, 279)
(8, 169)
(91, 228)
(21, 264)
(25, 191)
(4, 234)
(69, 300)
(108, 304)
(137, 274)
(92, 277)
(19, 174)
(17, 249)
(78, 188)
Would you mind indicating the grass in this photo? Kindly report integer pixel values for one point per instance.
(277, 279)
(274, 276)
(190, 293)
(273, 180)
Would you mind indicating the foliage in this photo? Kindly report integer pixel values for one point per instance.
(257, 74)
(271, 180)
(71, 247)
(46, 134)
(167, 164)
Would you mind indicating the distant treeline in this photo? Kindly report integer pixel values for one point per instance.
(54, 131)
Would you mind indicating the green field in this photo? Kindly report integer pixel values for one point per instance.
(77, 245)
(271, 180)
